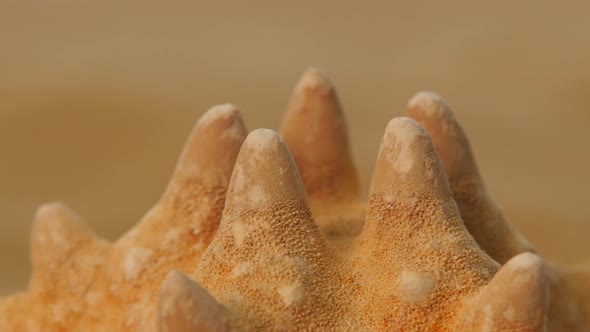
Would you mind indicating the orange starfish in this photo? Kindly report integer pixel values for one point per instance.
(569, 308)
(411, 266)
(81, 282)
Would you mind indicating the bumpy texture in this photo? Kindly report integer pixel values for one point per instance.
(413, 267)
(83, 283)
(315, 130)
(569, 308)
(294, 247)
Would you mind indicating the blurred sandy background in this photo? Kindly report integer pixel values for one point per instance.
(96, 98)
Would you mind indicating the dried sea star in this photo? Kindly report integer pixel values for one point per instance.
(83, 283)
(411, 266)
(569, 308)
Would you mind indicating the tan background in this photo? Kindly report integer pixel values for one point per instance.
(96, 98)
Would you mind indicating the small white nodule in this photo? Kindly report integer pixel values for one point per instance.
(292, 294)
(415, 286)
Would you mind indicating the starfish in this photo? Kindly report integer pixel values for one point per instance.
(293, 250)
(81, 282)
(569, 308)
(286, 257)
(413, 267)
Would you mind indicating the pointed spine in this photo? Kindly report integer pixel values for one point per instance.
(195, 196)
(516, 299)
(185, 306)
(482, 216)
(314, 128)
(409, 189)
(269, 262)
(199, 183)
(211, 149)
(56, 233)
(414, 242)
(434, 114)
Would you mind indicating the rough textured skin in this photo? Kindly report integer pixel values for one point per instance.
(290, 247)
(414, 267)
(569, 308)
(82, 283)
(65, 258)
(314, 128)
(482, 216)
(520, 280)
